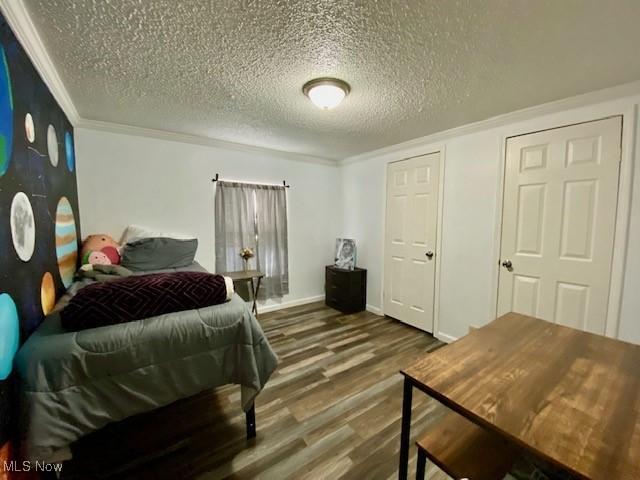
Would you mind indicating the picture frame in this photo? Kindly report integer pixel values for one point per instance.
(345, 256)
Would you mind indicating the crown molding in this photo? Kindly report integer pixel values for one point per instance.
(18, 18)
(123, 129)
(591, 98)
(16, 14)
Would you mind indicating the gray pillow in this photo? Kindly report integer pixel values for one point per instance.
(158, 253)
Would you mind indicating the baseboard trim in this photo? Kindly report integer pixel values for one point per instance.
(292, 303)
(445, 337)
(375, 310)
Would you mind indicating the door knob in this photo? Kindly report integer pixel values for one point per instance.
(429, 254)
(507, 264)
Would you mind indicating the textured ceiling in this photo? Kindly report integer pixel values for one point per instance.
(233, 70)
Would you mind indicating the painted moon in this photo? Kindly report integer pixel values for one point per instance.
(66, 241)
(69, 152)
(29, 129)
(23, 226)
(9, 334)
(47, 293)
(6, 114)
(52, 145)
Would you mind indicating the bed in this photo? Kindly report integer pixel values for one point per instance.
(77, 382)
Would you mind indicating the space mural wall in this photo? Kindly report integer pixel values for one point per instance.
(39, 227)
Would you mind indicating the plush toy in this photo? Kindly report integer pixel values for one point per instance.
(100, 250)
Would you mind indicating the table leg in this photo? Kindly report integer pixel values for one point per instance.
(255, 296)
(422, 464)
(403, 467)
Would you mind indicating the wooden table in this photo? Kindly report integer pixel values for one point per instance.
(569, 397)
(248, 276)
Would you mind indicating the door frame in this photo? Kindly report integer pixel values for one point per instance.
(440, 149)
(623, 211)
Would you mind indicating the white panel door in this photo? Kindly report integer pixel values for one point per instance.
(560, 200)
(410, 240)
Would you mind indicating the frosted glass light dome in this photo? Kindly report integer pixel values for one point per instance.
(326, 93)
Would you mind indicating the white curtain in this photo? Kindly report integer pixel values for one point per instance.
(235, 225)
(272, 255)
(253, 216)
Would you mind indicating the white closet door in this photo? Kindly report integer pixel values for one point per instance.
(410, 240)
(560, 199)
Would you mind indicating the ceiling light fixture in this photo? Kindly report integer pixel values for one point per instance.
(326, 93)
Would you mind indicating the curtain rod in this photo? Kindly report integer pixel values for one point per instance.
(284, 182)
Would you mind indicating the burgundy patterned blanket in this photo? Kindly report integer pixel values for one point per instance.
(144, 296)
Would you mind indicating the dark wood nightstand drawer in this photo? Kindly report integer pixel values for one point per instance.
(337, 279)
(343, 293)
(351, 305)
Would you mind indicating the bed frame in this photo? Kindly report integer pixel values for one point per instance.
(251, 422)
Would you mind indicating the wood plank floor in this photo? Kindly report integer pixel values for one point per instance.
(331, 410)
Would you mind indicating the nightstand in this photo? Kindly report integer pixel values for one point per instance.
(346, 290)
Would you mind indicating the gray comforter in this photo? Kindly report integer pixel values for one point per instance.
(77, 382)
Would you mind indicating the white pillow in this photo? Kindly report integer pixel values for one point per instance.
(229, 284)
(136, 232)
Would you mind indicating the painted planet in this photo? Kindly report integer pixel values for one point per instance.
(66, 241)
(23, 226)
(52, 145)
(47, 293)
(6, 114)
(9, 334)
(29, 129)
(69, 151)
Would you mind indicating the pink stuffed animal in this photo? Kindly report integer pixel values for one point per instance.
(100, 250)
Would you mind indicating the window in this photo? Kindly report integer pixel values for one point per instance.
(253, 216)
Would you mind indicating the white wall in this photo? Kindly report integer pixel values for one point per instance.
(472, 186)
(166, 185)
(126, 179)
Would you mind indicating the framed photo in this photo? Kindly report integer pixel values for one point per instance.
(345, 253)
